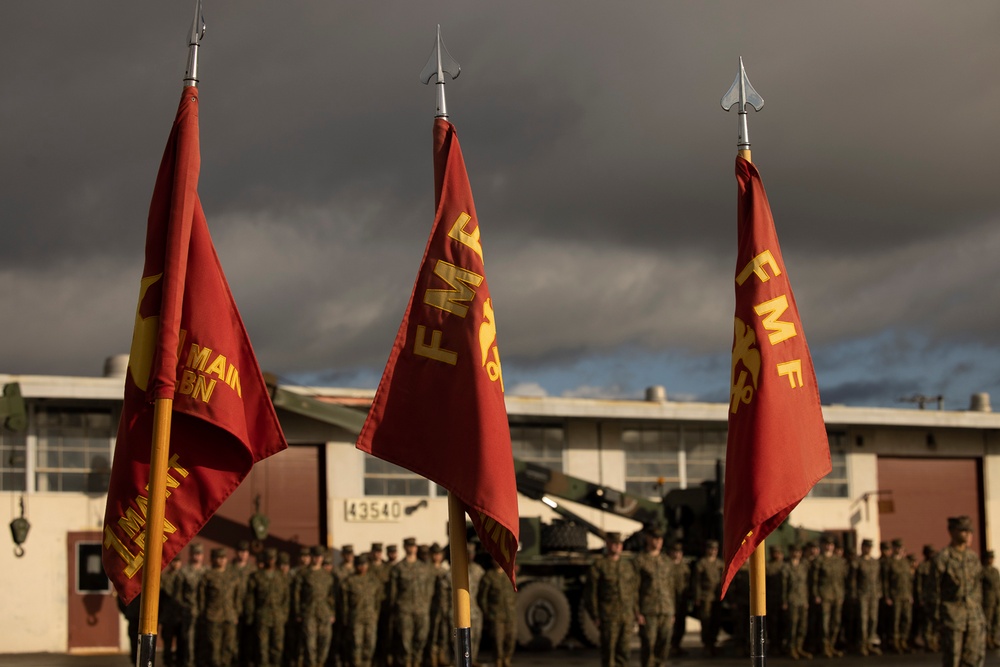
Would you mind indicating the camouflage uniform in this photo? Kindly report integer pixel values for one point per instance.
(774, 575)
(358, 611)
(796, 594)
(243, 638)
(476, 573)
(682, 599)
(706, 585)
(826, 587)
(922, 606)
(957, 594)
(901, 610)
(991, 600)
(172, 617)
(191, 574)
(266, 606)
(218, 612)
(315, 607)
(867, 581)
(411, 585)
(656, 604)
(439, 642)
(611, 598)
(341, 643)
(498, 600)
(295, 650)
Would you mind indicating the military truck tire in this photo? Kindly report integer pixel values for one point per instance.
(563, 536)
(543, 616)
(588, 627)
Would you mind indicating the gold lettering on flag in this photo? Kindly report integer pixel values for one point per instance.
(793, 369)
(433, 350)
(756, 267)
(770, 312)
(461, 282)
(471, 240)
(746, 354)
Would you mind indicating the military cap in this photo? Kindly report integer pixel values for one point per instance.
(613, 537)
(284, 558)
(897, 543)
(960, 523)
(422, 551)
(363, 559)
(305, 551)
(218, 552)
(436, 548)
(795, 548)
(866, 542)
(376, 546)
(676, 546)
(654, 531)
(317, 551)
(928, 550)
(270, 555)
(989, 554)
(347, 549)
(243, 545)
(711, 544)
(883, 545)
(409, 542)
(826, 539)
(391, 549)
(197, 548)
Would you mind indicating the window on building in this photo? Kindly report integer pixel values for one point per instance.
(387, 479)
(74, 449)
(705, 450)
(543, 445)
(652, 460)
(834, 485)
(13, 449)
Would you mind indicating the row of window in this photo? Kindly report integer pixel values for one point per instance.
(73, 454)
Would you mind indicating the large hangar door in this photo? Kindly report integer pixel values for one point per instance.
(925, 492)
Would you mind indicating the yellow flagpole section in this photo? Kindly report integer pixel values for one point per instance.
(461, 604)
(153, 560)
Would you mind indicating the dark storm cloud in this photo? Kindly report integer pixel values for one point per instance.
(600, 161)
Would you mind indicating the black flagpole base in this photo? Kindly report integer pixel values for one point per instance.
(758, 639)
(146, 655)
(463, 647)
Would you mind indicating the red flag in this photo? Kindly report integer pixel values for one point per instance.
(777, 447)
(188, 344)
(439, 409)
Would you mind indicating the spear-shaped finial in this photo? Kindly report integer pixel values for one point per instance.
(742, 93)
(437, 65)
(197, 33)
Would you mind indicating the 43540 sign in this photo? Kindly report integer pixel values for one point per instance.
(369, 510)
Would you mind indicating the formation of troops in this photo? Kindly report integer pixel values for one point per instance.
(367, 610)
(378, 610)
(820, 600)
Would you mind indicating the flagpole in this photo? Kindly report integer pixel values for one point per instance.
(159, 456)
(740, 94)
(439, 64)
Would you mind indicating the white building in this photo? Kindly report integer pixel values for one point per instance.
(896, 473)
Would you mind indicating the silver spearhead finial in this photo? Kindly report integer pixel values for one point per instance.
(742, 93)
(197, 33)
(439, 64)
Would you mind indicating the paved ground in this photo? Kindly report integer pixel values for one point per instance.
(557, 658)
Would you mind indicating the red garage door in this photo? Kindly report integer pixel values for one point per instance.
(925, 492)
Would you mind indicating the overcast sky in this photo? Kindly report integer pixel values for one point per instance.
(601, 163)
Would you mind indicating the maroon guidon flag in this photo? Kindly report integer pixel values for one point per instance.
(777, 447)
(439, 409)
(189, 345)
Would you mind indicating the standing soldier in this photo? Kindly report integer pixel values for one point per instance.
(411, 583)
(958, 597)
(172, 614)
(867, 581)
(610, 596)
(295, 648)
(358, 609)
(885, 611)
(900, 598)
(498, 600)
(826, 583)
(391, 555)
(218, 609)
(191, 573)
(991, 600)
(266, 606)
(922, 605)
(706, 589)
(315, 608)
(380, 569)
(682, 597)
(774, 580)
(243, 637)
(796, 595)
(341, 645)
(476, 573)
(439, 643)
(656, 601)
